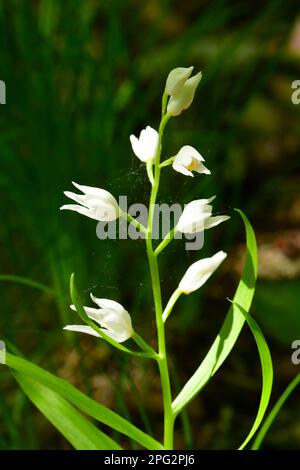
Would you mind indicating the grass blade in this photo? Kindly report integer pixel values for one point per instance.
(27, 282)
(274, 412)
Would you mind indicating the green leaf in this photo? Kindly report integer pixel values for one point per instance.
(274, 412)
(84, 403)
(267, 372)
(82, 434)
(231, 327)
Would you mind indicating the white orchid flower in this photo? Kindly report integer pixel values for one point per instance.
(193, 216)
(188, 160)
(176, 79)
(94, 203)
(198, 273)
(183, 99)
(113, 319)
(197, 216)
(145, 146)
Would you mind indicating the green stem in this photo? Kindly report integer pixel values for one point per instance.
(153, 265)
(144, 345)
(164, 103)
(169, 237)
(133, 221)
(167, 162)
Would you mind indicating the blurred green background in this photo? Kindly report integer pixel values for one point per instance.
(81, 76)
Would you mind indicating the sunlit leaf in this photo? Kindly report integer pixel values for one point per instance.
(231, 327)
(83, 402)
(267, 372)
(82, 434)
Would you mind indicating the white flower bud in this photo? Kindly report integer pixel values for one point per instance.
(183, 99)
(145, 146)
(176, 79)
(198, 273)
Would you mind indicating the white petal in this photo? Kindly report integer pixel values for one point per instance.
(193, 216)
(191, 152)
(80, 209)
(105, 212)
(194, 226)
(82, 329)
(94, 192)
(120, 327)
(214, 221)
(145, 146)
(107, 303)
(200, 168)
(135, 145)
(119, 338)
(149, 141)
(80, 198)
(198, 273)
(151, 136)
(90, 331)
(177, 78)
(184, 98)
(199, 203)
(177, 166)
(92, 313)
(118, 324)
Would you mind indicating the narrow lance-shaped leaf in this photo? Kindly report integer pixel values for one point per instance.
(231, 327)
(86, 404)
(82, 434)
(267, 372)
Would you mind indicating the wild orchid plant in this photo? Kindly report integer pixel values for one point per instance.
(110, 321)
